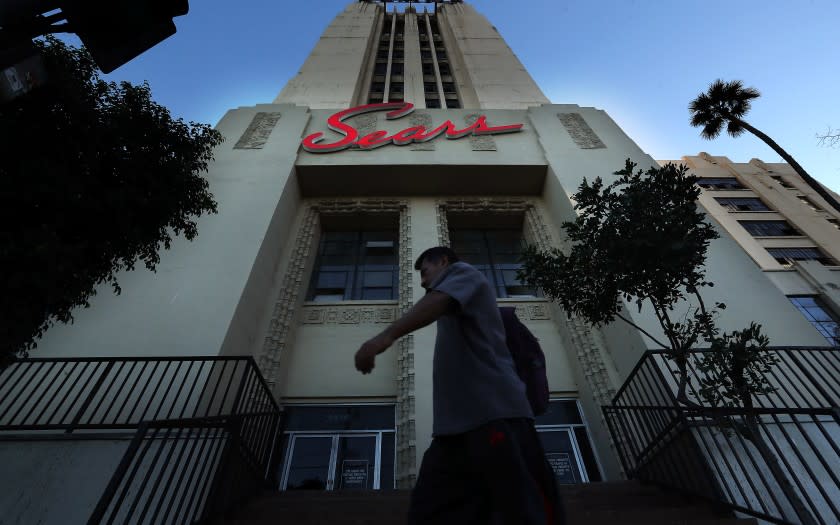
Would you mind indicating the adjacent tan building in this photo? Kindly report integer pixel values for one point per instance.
(790, 232)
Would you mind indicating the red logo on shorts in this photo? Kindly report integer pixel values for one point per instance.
(496, 437)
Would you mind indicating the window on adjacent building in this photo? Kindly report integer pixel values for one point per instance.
(720, 183)
(780, 180)
(355, 265)
(497, 254)
(452, 103)
(808, 202)
(819, 315)
(787, 256)
(769, 228)
(397, 68)
(742, 204)
(432, 103)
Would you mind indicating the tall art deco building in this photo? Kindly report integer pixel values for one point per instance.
(404, 129)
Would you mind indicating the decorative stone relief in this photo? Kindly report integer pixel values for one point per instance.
(352, 314)
(293, 288)
(479, 142)
(280, 327)
(421, 118)
(580, 131)
(258, 131)
(531, 311)
(406, 436)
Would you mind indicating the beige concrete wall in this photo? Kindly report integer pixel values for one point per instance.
(486, 64)
(208, 296)
(333, 73)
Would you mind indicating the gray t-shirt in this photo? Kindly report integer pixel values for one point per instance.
(473, 374)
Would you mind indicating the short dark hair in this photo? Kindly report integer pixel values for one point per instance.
(435, 254)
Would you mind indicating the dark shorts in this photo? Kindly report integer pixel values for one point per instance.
(496, 473)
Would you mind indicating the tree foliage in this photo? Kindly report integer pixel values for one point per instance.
(726, 104)
(641, 238)
(96, 178)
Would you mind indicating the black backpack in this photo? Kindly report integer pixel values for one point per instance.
(528, 358)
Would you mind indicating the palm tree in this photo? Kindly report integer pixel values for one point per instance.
(727, 103)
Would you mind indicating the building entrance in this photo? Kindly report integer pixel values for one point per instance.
(565, 440)
(338, 447)
(333, 462)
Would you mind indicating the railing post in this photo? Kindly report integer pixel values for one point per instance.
(86, 403)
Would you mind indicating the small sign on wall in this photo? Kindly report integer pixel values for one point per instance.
(354, 474)
(564, 467)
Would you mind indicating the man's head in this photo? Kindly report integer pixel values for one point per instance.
(432, 262)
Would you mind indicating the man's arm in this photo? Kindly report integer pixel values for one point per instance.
(424, 312)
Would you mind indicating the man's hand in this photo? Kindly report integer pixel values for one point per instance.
(366, 355)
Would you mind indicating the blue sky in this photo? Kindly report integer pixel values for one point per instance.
(640, 60)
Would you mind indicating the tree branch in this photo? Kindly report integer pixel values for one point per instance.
(639, 328)
(831, 138)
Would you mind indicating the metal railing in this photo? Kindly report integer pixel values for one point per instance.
(120, 393)
(206, 428)
(777, 461)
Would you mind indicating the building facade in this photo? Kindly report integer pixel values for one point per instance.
(790, 232)
(313, 247)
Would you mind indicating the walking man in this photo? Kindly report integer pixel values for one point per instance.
(485, 458)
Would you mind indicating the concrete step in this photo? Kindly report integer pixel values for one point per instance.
(611, 503)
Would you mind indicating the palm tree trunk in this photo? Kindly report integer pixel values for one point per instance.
(816, 186)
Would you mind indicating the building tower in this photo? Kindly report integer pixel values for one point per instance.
(323, 208)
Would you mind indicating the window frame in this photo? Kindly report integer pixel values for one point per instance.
(355, 272)
(833, 318)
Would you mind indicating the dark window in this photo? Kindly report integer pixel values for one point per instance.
(808, 202)
(397, 68)
(396, 87)
(430, 87)
(780, 180)
(742, 204)
(453, 103)
(441, 55)
(380, 68)
(560, 412)
(375, 100)
(355, 265)
(769, 228)
(444, 69)
(382, 54)
(398, 54)
(449, 87)
(432, 103)
(786, 256)
(819, 315)
(426, 54)
(377, 87)
(720, 183)
(497, 254)
(428, 69)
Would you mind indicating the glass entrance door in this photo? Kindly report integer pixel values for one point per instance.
(332, 462)
(562, 453)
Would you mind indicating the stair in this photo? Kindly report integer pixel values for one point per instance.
(613, 503)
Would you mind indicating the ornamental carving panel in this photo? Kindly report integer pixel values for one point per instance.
(479, 142)
(351, 314)
(531, 311)
(258, 131)
(580, 131)
(421, 118)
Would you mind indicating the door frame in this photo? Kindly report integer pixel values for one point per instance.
(331, 469)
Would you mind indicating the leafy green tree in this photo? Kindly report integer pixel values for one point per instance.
(643, 239)
(96, 177)
(726, 104)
